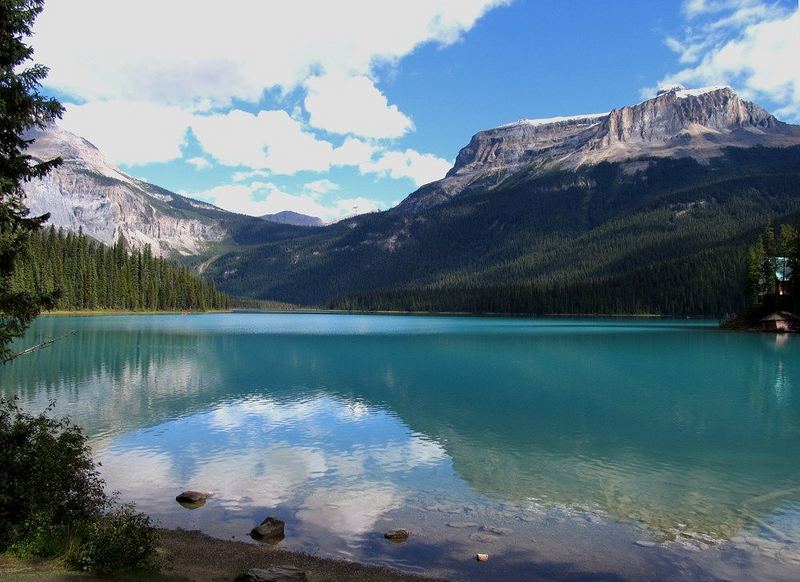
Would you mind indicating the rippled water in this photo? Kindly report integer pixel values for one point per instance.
(623, 448)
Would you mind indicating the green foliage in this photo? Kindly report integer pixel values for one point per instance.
(47, 475)
(21, 107)
(91, 276)
(121, 539)
(52, 500)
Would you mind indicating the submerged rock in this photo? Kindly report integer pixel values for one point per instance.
(271, 531)
(462, 524)
(276, 574)
(484, 538)
(397, 535)
(501, 531)
(193, 499)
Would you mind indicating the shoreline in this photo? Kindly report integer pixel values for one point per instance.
(193, 555)
(312, 311)
(201, 557)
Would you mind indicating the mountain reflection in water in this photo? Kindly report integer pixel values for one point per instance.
(343, 419)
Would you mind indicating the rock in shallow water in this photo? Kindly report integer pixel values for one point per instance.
(276, 574)
(462, 524)
(481, 557)
(397, 535)
(193, 499)
(271, 531)
(501, 531)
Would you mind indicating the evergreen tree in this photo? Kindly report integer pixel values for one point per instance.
(94, 276)
(21, 107)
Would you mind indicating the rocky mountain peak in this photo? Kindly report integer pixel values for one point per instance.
(677, 122)
(89, 192)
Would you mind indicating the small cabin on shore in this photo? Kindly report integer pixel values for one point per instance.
(780, 321)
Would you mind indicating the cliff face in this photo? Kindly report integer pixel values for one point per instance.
(678, 122)
(90, 193)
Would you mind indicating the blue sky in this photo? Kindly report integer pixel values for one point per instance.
(335, 108)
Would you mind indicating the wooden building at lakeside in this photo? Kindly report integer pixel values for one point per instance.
(780, 321)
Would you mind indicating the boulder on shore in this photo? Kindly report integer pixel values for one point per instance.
(276, 574)
(271, 530)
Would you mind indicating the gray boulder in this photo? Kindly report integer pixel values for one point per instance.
(271, 530)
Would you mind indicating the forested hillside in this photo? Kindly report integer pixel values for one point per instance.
(666, 236)
(91, 275)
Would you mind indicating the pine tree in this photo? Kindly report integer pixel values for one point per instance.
(21, 107)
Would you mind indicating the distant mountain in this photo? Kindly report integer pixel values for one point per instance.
(295, 218)
(648, 208)
(678, 122)
(88, 192)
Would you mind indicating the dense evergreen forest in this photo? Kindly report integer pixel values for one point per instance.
(662, 236)
(91, 276)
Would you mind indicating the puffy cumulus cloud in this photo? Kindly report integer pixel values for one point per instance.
(420, 168)
(199, 162)
(269, 140)
(342, 104)
(748, 44)
(354, 152)
(153, 79)
(260, 198)
(194, 54)
(130, 132)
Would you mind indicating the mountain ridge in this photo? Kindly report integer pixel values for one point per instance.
(294, 218)
(677, 122)
(649, 208)
(89, 193)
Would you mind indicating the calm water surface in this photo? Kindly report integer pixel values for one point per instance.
(619, 449)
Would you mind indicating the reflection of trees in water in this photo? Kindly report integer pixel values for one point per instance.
(111, 380)
(692, 431)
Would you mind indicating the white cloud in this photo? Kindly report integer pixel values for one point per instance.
(199, 162)
(155, 78)
(193, 54)
(354, 152)
(321, 186)
(341, 104)
(259, 198)
(270, 140)
(130, 132)
(747, 44)
(420, 168)
(249, 174)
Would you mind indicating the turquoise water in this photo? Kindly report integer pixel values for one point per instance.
(645, 446)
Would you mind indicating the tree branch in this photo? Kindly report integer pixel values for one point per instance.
(36, 347)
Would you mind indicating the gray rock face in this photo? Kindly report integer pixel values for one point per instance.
(678, 122)
(90, 193)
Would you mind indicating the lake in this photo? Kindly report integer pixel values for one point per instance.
(564, 448)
